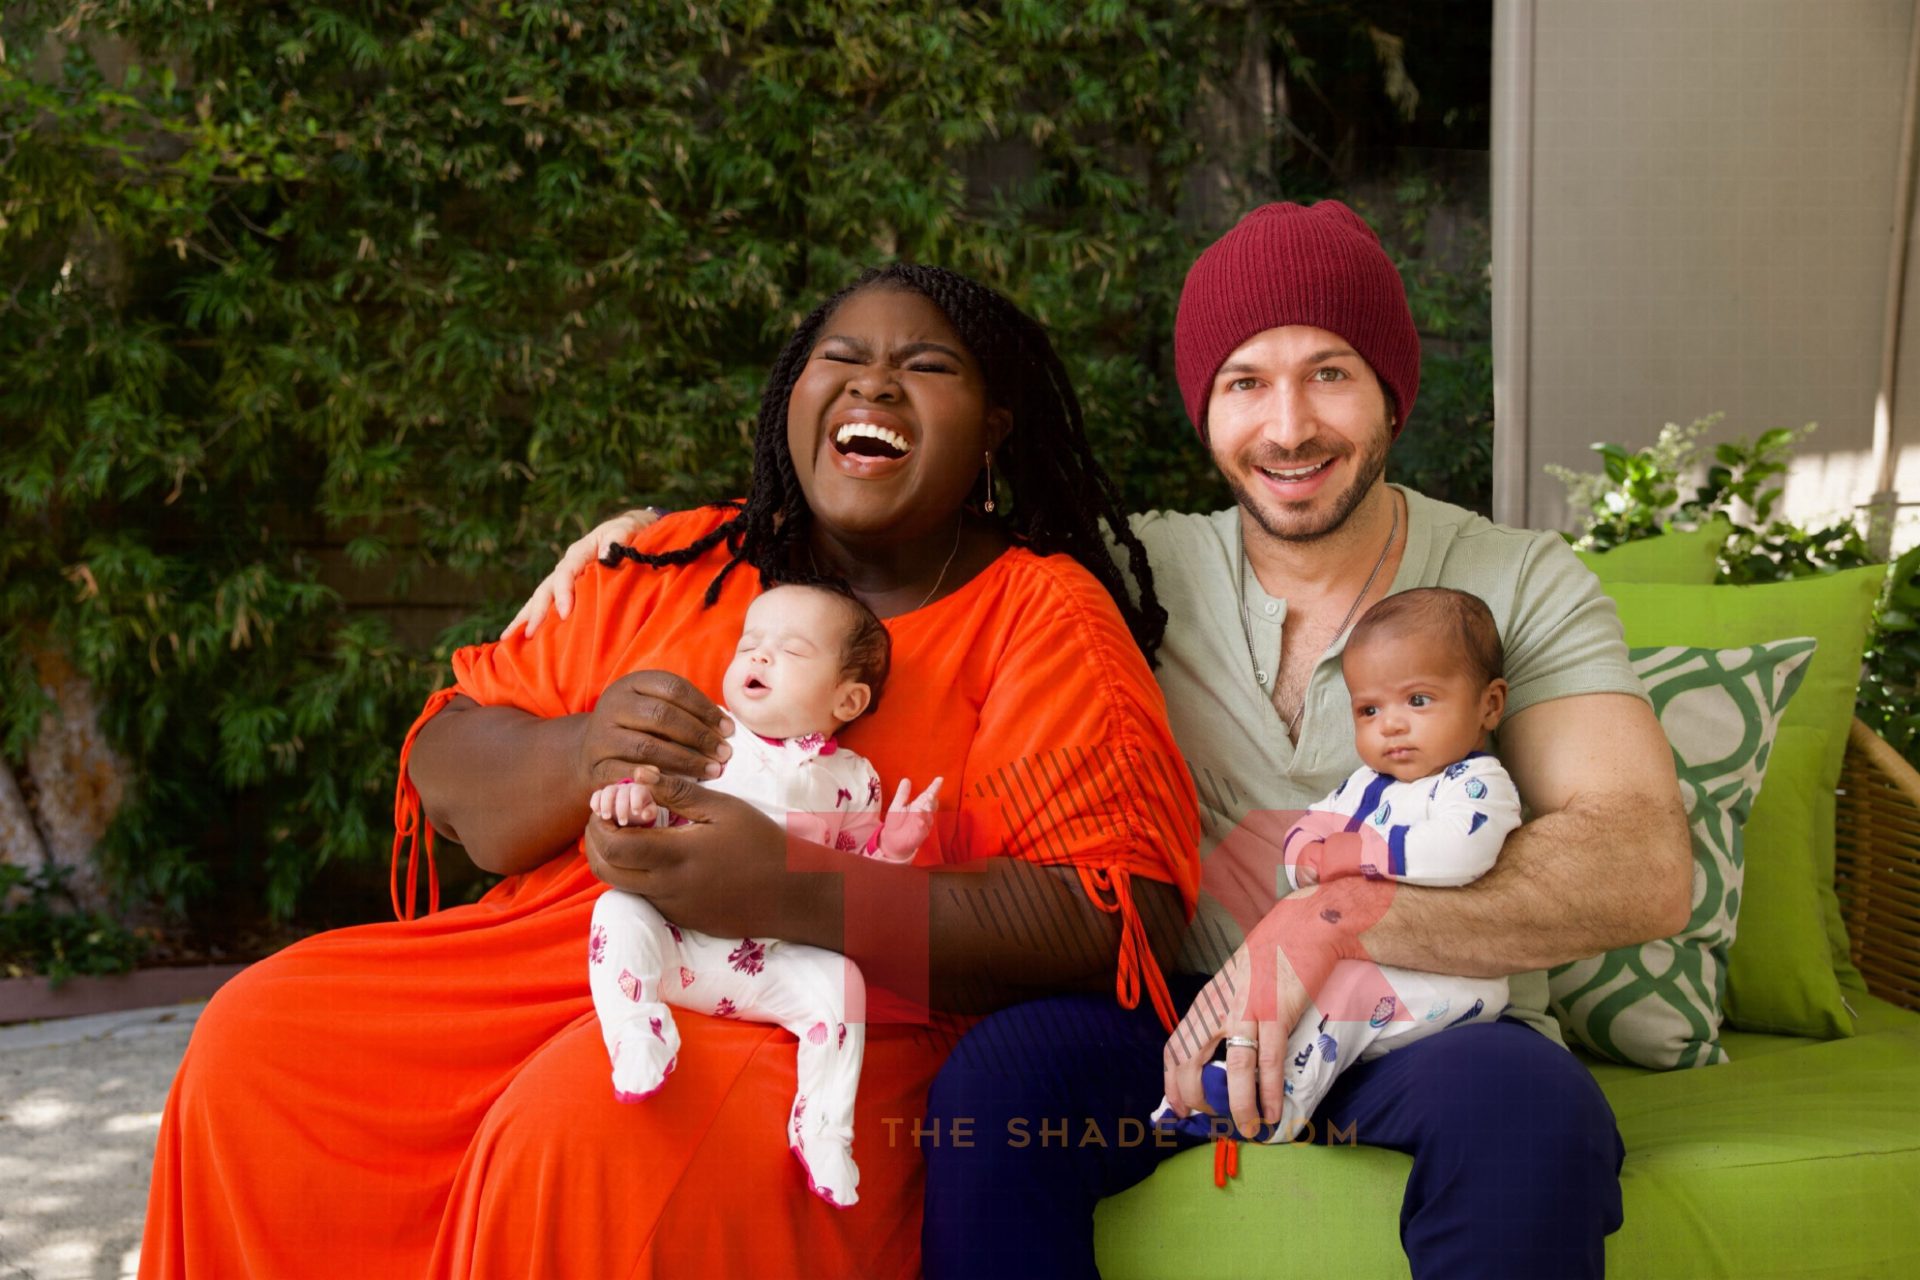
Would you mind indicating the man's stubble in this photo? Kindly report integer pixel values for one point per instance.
(1369, 465)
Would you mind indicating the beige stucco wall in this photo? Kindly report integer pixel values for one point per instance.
(1710, 191)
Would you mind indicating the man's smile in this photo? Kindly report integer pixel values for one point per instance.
(1288, 474)
(1296, 483)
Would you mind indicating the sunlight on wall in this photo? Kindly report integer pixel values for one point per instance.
(1823, 487)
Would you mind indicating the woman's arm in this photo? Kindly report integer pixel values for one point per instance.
(1017, 930)
(512, 787)
(969, 939)
(505, 784)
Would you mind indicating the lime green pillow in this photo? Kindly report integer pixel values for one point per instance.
(1690, 556)
(1790, 992)
(1659, 1003)
(1780, 974)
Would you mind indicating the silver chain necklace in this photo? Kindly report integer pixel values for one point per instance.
(958, 529)
(1246, 619)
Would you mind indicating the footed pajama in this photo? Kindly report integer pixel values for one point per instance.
(639, 964)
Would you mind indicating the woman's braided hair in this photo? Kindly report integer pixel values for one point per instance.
(1059, 494)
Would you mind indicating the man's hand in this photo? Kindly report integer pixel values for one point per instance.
(908, 823)
(1255, 1085)
(1259, 996)
(555, 591)
(653, 723)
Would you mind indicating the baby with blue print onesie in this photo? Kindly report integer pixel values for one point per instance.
(1429, 807)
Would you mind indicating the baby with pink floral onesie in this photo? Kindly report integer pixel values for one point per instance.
(810, 660)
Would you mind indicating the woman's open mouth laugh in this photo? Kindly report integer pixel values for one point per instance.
(870, 444)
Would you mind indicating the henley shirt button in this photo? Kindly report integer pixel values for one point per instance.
(1261, 676)
(1271, 607)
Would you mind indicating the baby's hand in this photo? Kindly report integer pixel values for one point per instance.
(1306, 848)
(626, 802)
(1304, 859)
(908, 823)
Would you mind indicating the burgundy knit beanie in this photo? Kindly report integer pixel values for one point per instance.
(1318, 265)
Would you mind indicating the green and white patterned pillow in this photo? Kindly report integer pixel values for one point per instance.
(1658, 1004)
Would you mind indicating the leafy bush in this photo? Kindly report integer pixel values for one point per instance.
(43, 930)
(1637, 495)
(418, 291)
(1448, 454)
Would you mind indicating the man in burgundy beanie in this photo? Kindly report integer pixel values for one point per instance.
(1286, 264)
(1299, 364)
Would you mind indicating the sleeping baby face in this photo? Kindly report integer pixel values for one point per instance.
(789, 676)
(1418, 704)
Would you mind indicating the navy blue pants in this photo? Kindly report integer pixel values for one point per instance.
(1507, 1131)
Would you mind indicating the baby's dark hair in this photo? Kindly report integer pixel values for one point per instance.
(1054, 495)
(1438, 613)
(867, 655)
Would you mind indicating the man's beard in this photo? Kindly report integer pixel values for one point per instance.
(1370, 463)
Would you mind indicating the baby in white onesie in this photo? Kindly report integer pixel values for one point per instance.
(810, 660)
(1427, 806)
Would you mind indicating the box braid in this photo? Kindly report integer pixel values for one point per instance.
(1059, 493)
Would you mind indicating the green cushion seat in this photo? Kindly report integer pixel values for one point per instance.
(1797, 1158)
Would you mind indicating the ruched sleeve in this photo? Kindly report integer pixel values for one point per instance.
(1073, 763)
(558, 671)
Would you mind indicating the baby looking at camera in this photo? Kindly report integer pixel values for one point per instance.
(1429, 806)
(811, 659)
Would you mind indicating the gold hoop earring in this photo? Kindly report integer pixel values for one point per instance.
(989, 504)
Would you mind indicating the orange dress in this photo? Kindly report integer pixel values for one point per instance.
(430, 1096)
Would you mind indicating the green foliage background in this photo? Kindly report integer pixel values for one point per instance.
(445, 283)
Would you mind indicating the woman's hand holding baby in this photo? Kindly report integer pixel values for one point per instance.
(653, 723)
(725, 871)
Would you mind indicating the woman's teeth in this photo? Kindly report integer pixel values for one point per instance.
(868, 438)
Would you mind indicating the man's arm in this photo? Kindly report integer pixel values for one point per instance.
(1605, 862)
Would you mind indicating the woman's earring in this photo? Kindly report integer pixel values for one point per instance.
(989, 506)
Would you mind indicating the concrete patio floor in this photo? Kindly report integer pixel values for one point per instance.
(80, 1102)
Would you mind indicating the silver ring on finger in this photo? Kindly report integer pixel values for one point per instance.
(1241, 1042)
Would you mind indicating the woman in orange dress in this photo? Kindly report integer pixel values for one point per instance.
(428, 1097)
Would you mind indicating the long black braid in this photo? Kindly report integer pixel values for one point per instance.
(1056, 494)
